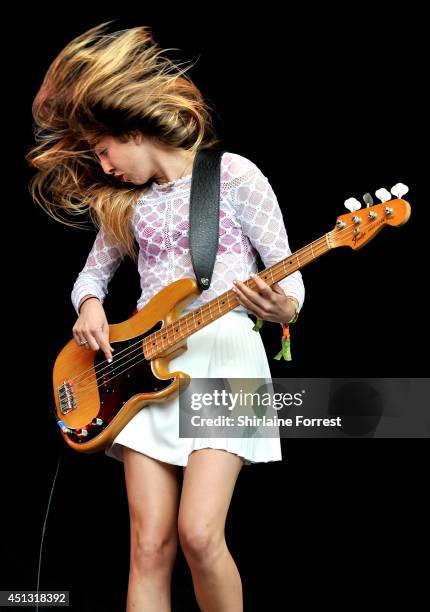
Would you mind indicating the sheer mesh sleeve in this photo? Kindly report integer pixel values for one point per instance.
(262, 222)
(102, 262)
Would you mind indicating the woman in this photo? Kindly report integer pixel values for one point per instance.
(118, 127)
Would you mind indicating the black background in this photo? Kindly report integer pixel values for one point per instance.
(329, 104)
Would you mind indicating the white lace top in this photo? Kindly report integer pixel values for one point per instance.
(250, 221)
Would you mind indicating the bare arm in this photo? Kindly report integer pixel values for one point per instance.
(85, 298)
(92, 328)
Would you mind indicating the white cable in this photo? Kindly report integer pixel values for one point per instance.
(44, 528)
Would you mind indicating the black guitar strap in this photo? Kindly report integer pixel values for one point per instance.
(204, 213)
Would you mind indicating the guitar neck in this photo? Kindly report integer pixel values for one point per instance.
(182, 328)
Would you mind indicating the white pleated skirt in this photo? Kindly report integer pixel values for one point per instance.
(227, 347)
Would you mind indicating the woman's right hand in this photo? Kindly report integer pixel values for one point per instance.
(92, 326)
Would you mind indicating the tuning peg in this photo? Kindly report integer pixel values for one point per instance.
(352, 204)
(399, 190)
(368, 200)
(383, 194)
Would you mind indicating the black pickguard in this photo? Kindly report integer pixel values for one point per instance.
(129, 374)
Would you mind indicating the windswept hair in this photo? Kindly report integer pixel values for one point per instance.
(100, 85)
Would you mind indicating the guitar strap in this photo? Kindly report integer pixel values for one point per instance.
(204, 213)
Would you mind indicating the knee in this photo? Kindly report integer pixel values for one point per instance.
(150, 552)
(200, 544)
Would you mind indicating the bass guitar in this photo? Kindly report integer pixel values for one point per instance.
(95, 399)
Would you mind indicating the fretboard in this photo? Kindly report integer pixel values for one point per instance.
(171, 334)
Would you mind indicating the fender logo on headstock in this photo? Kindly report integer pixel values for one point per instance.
(360, 235)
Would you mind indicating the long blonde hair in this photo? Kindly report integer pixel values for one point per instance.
(109, 84)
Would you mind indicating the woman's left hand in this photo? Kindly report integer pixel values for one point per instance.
(269, 303)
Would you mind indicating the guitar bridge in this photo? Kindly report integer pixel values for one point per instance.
(66, 397)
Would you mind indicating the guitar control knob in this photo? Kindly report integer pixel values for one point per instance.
(63, 427)
(97, 421)
(82, 433)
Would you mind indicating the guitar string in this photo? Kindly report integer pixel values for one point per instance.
(162, 331)
(205, 307)
(117, 369)
(118, 366)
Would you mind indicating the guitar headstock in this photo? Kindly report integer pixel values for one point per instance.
(359, 226)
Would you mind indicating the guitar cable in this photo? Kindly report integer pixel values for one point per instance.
(44, 527)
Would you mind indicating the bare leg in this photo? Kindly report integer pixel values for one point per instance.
(153, 497)
(209, 480)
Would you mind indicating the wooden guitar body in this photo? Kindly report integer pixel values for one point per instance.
(94, 400)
